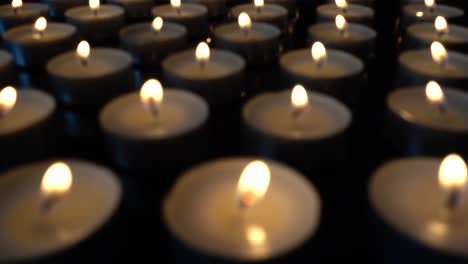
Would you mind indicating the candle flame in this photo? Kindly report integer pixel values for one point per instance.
(429, 3)
(202, 53)
(342, 4)
(256, 235)
(175, 3)
(419, 14)
(441, 25)
(41, 24)
(259, 3)
(83, 50)
(253, 183)
(299, 97)
(151, 95)
(244, 21)
(94, 4)
(16, 4)
(157, 24)
(57, 180)
(452, 172)
(438, 52)
(434, 93)
(319, 53)
(341, 23)
(7, 100)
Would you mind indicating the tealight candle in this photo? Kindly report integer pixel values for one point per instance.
(297, 126)
(33, 45)
(421, 35)
(150, 43)
(18, 13)
(48, 209)
(193, 16)
(258, 43)
(354, 38)
(216, 75)
(90, 78)
(26, 120)
(257, 211)
(331, 71)
(420, 200)
(354, 13)
(135, 9)
(148, 129)
(58, 7)
(216, 8)
(428, 120)
(266, 13)
(7, 69)
(290, 5)
(97, 23)
(368, 3)
(423, 65)
(427, 12)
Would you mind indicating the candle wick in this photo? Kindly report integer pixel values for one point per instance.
(15, 10)
(202, 64)
(154, 109)
(258, 9)
(246, 31)
(48, 202)
(95, 12)
(453, 200)
(84, 62)
(443, 108)
(178, 10)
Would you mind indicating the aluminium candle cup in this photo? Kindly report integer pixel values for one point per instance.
(421, 35)
(416, 67)
(135, 9)
(202, 217)
(273, 14)
(26, 14)
(139, 141)
(415, 126)
(27, 131)
(341, 76)
(314, 141)
(7, 69)
(216, 8)
(148, 47)
(408, 215)
(58, 7)
(452, 14)
(259, 46)
(107, 74)
(356, 39)
(193, 16)
(33, 51)
(91, 213)
(219, 81)
(354, 14)
(100, 27)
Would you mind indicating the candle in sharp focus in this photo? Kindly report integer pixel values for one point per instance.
(430, 119)
(257, 211)
(216, 75)
(433, 63)
(354, 13)
(48, 208)
(428, 11)
(90, 77)
(422, 200)
(97, 23)
(259, 11)
(193, 16)
(34, 44)
(258, 43)
(150, 43)
(147, 129)
(327, 70)
(297, 126)
(421, 35)
(354, 38)
(18, 13)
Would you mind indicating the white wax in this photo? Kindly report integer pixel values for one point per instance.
(84, 13)
(271, 114)
(449, 12)
(186, 11)
(180, 112)
(201, 210)
(32, 107)
(406, 194)
(426, 32)
(27, 234)
(421, 61)
(354, 11)
(411, 104)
